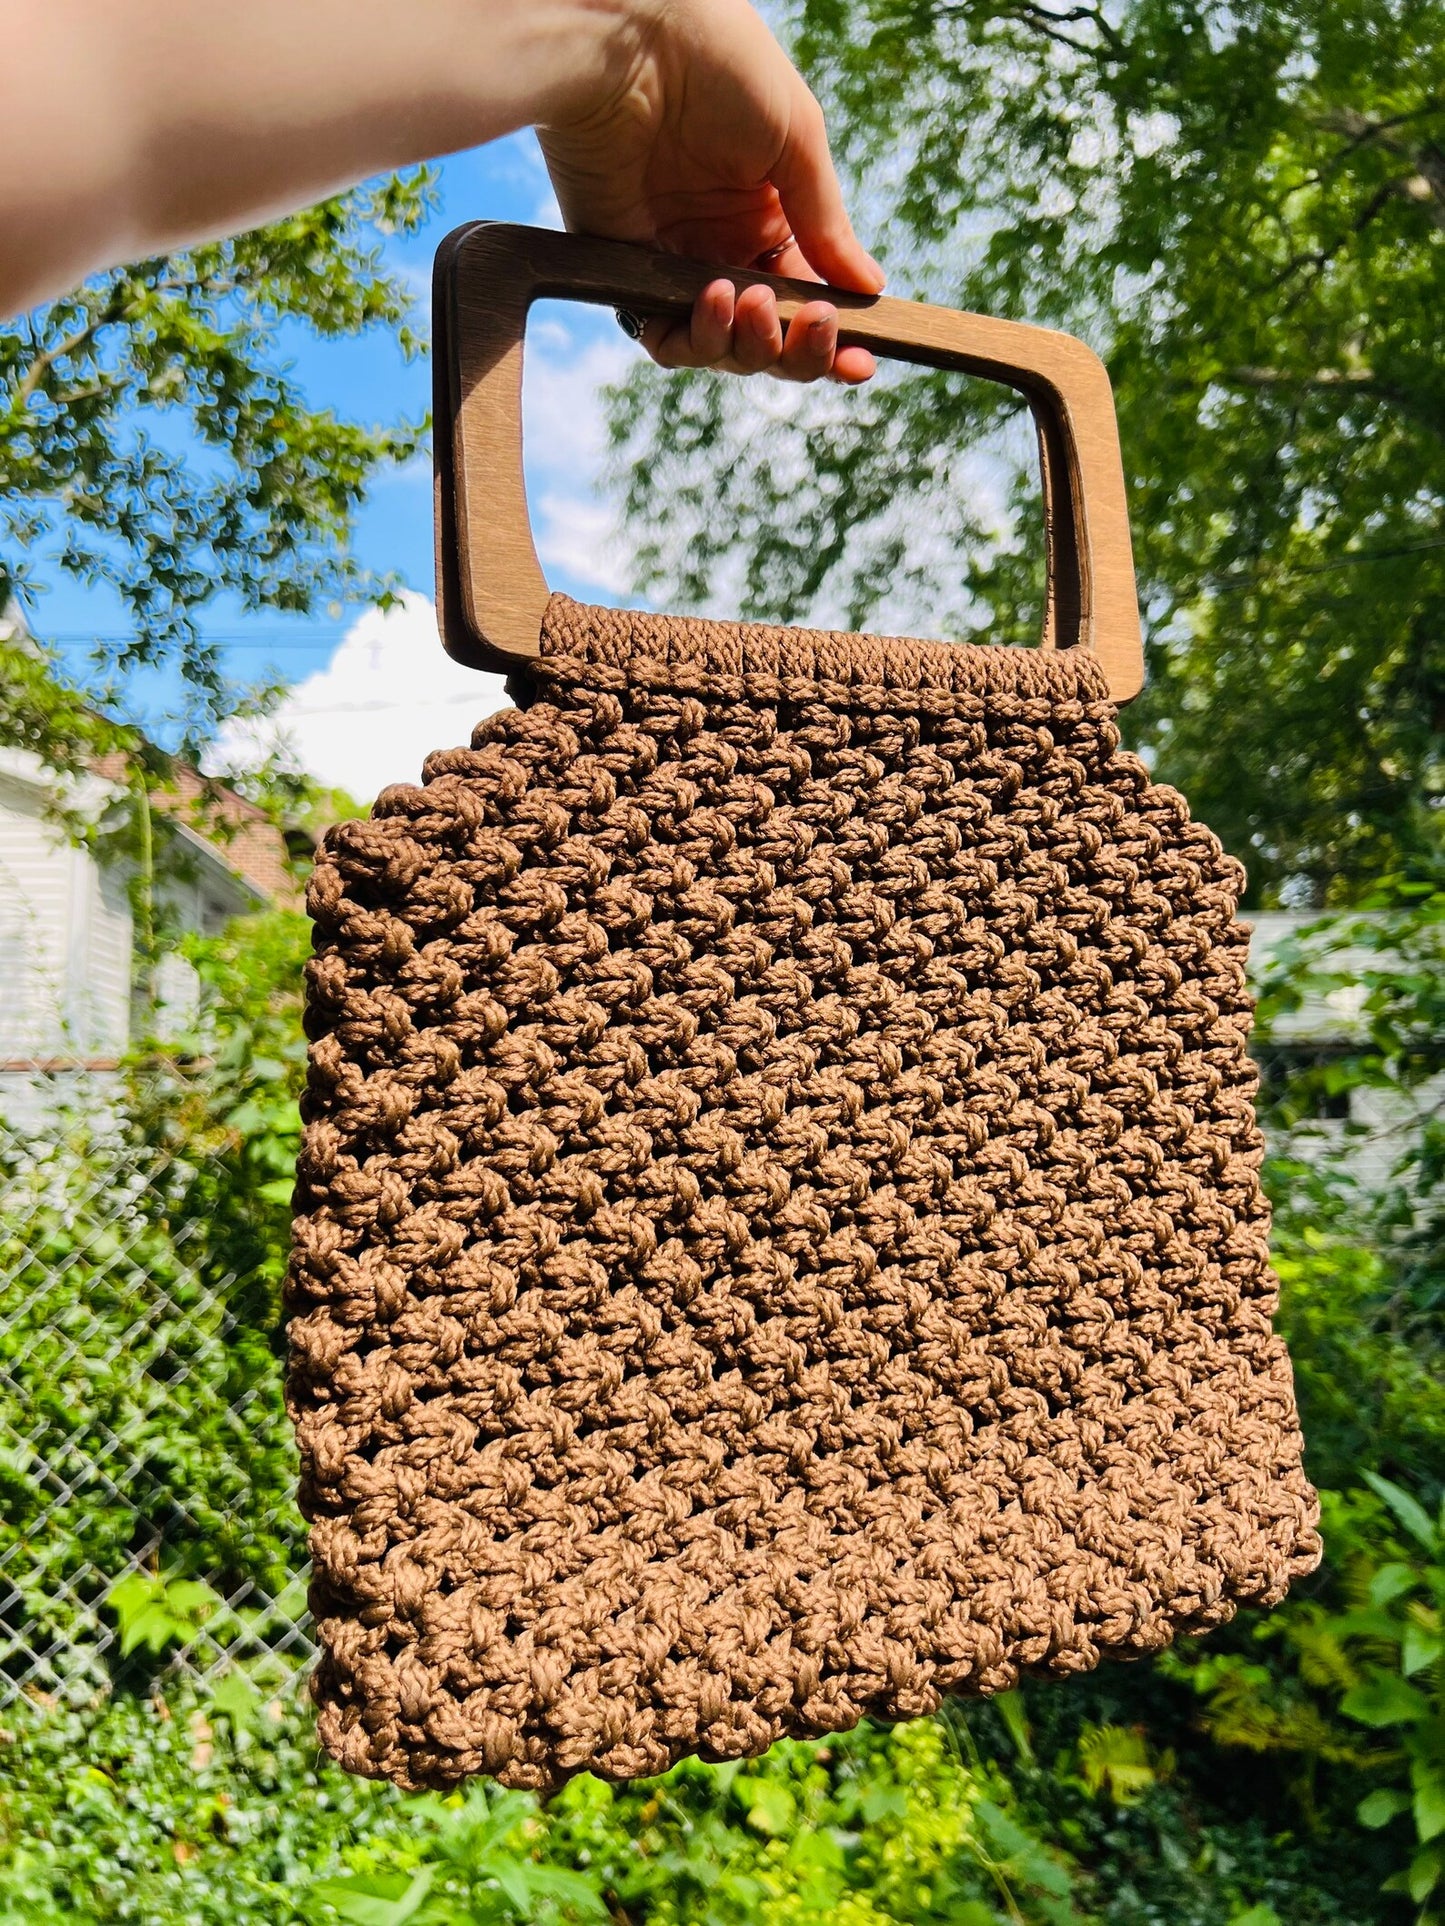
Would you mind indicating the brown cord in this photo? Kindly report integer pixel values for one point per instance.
(779, 1234)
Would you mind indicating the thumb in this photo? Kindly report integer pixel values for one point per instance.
(807, 185)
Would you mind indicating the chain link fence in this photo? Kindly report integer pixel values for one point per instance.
(147, 1478)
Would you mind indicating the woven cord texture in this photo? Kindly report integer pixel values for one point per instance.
(779, 1234)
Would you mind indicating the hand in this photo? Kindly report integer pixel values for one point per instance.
(700, 137)
(679, 123)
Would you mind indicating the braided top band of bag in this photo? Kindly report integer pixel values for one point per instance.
(779, 1235)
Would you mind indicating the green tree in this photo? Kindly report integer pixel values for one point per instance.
(154, 440)
(1243, 207)
(1387, 960)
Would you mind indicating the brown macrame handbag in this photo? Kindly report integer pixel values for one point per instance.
(779, 1235)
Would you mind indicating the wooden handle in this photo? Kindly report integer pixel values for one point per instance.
(491, 592)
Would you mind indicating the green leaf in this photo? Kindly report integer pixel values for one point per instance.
(1378, 1808)
(1256, 1916)
(770, 1806)
(376, 1899)
(189, 1599)
(1420, 1646)
(1429, 1803)
(1115, 1759)
(512, 1877)
(155, 1613)
(1385, 1699)
(132, 1599)
(153, 1627)
(1367, 1624)
(1025, 1856)
(1390, 1581)
(1002, 1832)
(1423, 1874)
(236, 1699)
(1010, 1708)
(877, 1803)
(1410, 1512)
(579, 1891)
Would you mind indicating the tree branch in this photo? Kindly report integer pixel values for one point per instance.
(1427, 183)
(1362, 380)
(1029, 13)
(1320, 258)
(115, 310)
(120, 306)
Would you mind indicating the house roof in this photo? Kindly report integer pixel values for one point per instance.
(238, 832)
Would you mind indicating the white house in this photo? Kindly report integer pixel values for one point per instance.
(67, 941)
(1372, 1126)
(68, 952)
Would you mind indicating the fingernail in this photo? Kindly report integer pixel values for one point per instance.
(819, 333)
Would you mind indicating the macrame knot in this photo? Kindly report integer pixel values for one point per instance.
(778, 1231)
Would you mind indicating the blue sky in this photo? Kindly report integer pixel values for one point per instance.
(571, 351)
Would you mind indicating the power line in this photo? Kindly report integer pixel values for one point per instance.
(228, 640)
(362, 708)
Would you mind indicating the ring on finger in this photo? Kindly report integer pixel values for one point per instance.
(767, 261)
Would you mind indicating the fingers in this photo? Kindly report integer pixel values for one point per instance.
(710, 333)
(852, 366)
(738, 332)
(743, 334)
(811, 343)
(807, 186)
(757, 331)
(811, 349)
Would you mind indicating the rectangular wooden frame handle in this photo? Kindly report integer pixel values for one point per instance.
(491, 592)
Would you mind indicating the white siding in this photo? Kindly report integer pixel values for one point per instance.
(66, 936)
(54, 928)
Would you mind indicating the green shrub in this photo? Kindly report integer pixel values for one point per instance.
(1285, 1770)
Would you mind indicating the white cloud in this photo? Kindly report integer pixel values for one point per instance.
(388, 697)
(390, 694)
(571, 356)
(579, 541)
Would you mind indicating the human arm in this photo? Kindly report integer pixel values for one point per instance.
(138, 128)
